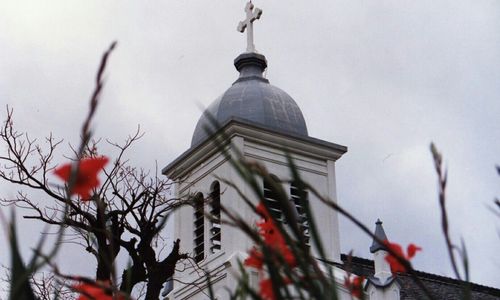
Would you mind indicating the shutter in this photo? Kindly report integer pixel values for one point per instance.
(199, 229)
(215, 224)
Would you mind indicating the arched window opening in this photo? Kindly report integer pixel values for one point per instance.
(199, 228)
(271, 198)
(300, 198)
(215, 223)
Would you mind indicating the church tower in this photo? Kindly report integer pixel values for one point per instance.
(259, 120)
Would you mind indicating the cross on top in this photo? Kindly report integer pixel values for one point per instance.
(252, 15)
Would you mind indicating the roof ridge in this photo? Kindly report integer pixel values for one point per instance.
(476, 287)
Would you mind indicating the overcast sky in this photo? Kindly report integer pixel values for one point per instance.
(384, 78)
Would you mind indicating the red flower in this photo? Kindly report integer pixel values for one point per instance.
(354, 285)
(86, 179)
(273, 238)
(396, 266)
(266, 288)
(95, 291)
(255, 259)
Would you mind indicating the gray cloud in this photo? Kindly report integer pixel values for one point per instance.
(383, 78)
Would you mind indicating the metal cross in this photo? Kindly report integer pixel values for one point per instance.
(248, 24)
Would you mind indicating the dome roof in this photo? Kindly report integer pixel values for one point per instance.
(252, 98)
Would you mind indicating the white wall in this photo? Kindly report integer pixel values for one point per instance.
(316, 170)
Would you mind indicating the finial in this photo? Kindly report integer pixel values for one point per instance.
(380, 234)
(252, 15)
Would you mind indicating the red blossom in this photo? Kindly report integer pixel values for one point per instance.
(354, 285)
(266, 288)
(255, 260)
(86, 178)
(396, 265)
(412, 250)
(95, 291)
(272, 238)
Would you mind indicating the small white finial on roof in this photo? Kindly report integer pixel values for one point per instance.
(252, 15)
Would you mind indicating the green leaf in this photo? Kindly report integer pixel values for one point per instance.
(20, 288)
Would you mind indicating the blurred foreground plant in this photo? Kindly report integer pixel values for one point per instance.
(129, 209)
(282, 255)
(125, 211)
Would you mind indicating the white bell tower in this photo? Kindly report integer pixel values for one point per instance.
(259, 120)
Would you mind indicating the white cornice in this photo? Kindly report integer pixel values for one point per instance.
(294, 144)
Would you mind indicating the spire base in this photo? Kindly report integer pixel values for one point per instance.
(250, 59)
(251, 66)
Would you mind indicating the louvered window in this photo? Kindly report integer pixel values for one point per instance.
(300, 198)
(271, 198)
(199, 228)
(215, 223)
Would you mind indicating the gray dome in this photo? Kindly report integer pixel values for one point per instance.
(252, 98)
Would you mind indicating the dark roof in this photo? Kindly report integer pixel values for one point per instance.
(252, 98)
(380, 234)
(441, 287)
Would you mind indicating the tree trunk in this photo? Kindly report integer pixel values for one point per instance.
(160, 272)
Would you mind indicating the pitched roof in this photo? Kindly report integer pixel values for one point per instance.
(442, 287)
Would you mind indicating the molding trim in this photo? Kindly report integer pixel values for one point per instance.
(249, 131)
